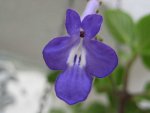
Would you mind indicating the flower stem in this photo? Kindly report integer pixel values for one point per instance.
(127, 68)
(91, 8)
(124, 96)
(118, 4)
(114, 86)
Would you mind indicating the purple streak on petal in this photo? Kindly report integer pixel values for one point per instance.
(73, 22)
(57, 51)
(73, 85)
(101, 59)
(91, 25)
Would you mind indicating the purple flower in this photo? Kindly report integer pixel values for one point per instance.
(80, 56)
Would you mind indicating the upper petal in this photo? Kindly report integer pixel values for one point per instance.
(101, 59)
(91, 25)
(73, 85)
(73, 22)
(56, 52)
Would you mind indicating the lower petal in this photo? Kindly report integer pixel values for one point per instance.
(101, 59)
(73, 85)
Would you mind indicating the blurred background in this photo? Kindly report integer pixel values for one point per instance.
(26, 26)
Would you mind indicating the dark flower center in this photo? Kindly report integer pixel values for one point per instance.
(82, 34)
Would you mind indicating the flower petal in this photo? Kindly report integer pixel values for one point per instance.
(101, 59)
(91, 25)
(57, 51)
(73, 22)
(73, 85)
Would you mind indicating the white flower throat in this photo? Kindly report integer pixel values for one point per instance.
(77, 55)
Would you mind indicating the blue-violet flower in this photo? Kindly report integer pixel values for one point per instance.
(80, 56)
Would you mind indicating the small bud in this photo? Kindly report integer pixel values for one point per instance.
(99, 38)
(100, 3)
(97, 11)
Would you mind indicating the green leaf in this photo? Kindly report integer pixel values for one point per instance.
(131, 107)
(118, 74)
(57, 111)
(147, 87)
(52, 76)
(144, 95)
(95, 108)
(113, 102)
(146, 60)
(102, 85)
(120, 25)
(143, 34)
(77, 108)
